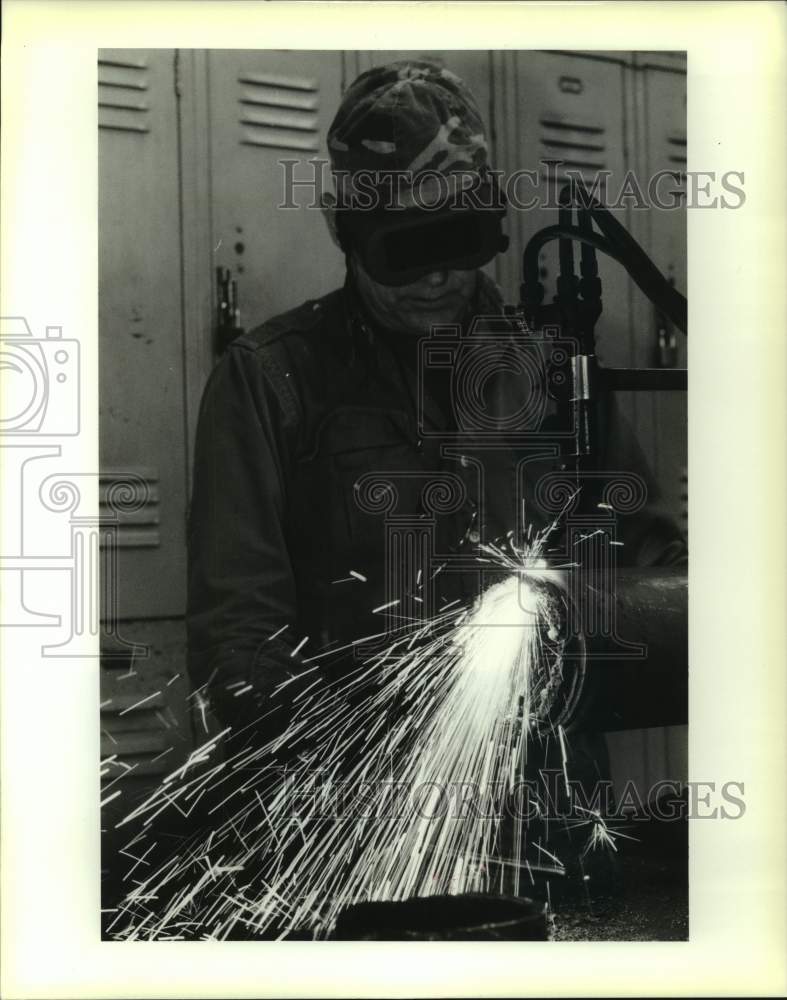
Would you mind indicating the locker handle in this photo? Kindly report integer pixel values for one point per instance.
(666, 338)
(228, 326)
(666, 344)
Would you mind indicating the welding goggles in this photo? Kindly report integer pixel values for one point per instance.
(400, 247)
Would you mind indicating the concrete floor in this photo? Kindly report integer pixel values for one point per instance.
(649, 900)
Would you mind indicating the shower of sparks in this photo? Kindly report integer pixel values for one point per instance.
(602, 833)
(365, 808)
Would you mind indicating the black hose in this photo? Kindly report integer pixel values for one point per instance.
(662, 293)
(550, 233)
(641, 269)
(566, 248)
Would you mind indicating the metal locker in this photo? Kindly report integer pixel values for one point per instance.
(145, 727)
(140, 324)
(659, 112)
(570, 109)
(267, 107)
(585, 112)
(665, 148)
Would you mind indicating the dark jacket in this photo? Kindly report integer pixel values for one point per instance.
(303, 423)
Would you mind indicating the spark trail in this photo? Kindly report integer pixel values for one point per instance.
(365, 807)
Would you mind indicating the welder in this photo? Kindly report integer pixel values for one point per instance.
(286, 552)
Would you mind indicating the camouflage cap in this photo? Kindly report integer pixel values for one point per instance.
(408, 117)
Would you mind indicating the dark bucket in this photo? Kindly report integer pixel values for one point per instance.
(471, 917)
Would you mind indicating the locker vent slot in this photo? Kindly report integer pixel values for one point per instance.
(122, 95)
(134, 736)
(579, 146)
(279, 112)
(676, 154)
(129, 498)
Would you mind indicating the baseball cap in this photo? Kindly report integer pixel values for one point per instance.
(408, 118)
(409, 139)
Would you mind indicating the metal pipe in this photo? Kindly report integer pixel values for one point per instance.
(637, 676)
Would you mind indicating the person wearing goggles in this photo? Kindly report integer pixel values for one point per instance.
(417, 268)
(321, 434)
(430, 214)
(287, 546)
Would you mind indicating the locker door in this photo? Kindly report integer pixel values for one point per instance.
(141, 347)
(552, 106)
(267, 107)
(576, 109)
(653, 755)
(665, 132)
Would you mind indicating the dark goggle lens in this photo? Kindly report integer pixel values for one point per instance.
(402, 250)
(444, 241)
